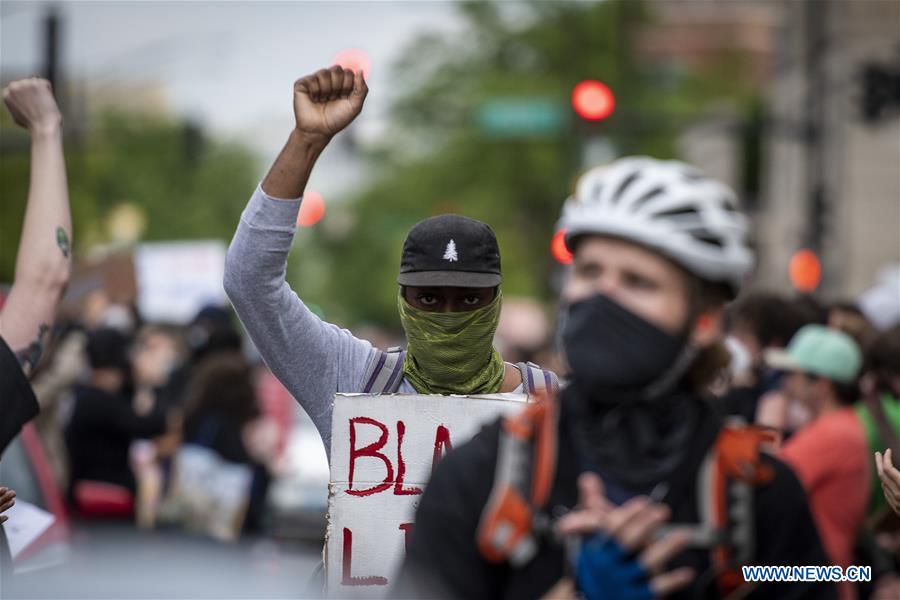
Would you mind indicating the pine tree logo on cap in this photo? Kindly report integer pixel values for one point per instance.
(450, 252)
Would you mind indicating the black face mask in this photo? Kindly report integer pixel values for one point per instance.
(627, 409)
(613, 352)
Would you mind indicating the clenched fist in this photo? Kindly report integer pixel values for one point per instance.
(32, 106)
(328, 100)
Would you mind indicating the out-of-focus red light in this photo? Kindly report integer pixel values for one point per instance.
(558, 248)
(805, 270)
(592, 100)
(355, 60)
(312, 209)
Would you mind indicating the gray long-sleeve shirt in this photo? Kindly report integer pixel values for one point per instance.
(313, 359)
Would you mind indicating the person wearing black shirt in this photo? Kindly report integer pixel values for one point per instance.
(104, 422)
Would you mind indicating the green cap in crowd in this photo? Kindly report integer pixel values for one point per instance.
(819, 350)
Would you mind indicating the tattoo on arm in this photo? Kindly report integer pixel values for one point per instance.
(62, 240)
(30, 356)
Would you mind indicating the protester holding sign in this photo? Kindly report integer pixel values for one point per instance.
(449, 299)
(658, 250)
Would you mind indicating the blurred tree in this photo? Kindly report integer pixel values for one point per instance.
(186, 186)
(435, 159)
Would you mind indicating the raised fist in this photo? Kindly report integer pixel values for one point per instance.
(32, 106)
(328, 100)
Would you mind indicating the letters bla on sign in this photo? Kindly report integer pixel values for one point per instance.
(383, 450)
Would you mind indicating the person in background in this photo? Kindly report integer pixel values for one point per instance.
(102, 426)
(890, 479)
(221, 413)
(879, 410)
(53, 386)
(829, 455)
(847, 317)
(210, 331)
(157, 353)
(885, 552)
(758, 322)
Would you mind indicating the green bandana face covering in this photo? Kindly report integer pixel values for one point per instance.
(452, 353)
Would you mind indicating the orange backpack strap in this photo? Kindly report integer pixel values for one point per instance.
(728, 476)
(523, 479)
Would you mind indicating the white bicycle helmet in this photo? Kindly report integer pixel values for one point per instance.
(668, 206)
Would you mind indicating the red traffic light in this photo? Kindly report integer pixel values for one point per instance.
(312, 209)
(558, 248)
(592, 100)
(355, 60)
(805, 270)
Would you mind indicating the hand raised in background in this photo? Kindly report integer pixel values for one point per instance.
(32, 105)
(890, 479)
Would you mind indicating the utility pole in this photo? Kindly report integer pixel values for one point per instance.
(817, 200)
(51, 70)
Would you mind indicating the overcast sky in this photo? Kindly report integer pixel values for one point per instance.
(228, 64)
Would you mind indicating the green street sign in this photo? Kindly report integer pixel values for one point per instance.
(520, 117)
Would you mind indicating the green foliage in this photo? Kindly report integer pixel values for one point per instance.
(186, 186)
(436, 160)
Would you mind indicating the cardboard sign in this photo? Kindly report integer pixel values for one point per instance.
(383, 450)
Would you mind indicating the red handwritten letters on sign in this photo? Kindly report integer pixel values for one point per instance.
(442, 445)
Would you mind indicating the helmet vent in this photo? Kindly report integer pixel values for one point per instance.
(626, 183)
(729, 206)
(708, 238)
(677, 212)
(651, 194)
(692, 175)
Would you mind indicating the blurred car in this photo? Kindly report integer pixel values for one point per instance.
(298, 496)
(25, 469)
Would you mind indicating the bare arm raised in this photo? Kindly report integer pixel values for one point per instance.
(324, 104)
(44, 258)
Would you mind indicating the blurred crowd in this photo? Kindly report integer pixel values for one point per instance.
(125, 404)
(130, 410)
(830, 429)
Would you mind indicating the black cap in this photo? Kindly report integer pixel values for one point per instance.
(450, 250)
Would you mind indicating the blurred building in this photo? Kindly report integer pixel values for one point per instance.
(818, 139)
(830, 176)
(698, 33)
(715, 37)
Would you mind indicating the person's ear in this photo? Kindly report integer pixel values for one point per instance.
(708, 326)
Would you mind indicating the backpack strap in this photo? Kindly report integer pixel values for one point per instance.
(535, 378)
(523, 478)
(385, 372)
(726, 481)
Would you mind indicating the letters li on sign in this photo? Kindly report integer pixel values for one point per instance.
(383, 449)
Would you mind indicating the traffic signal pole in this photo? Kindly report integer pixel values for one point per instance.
(817, 200)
